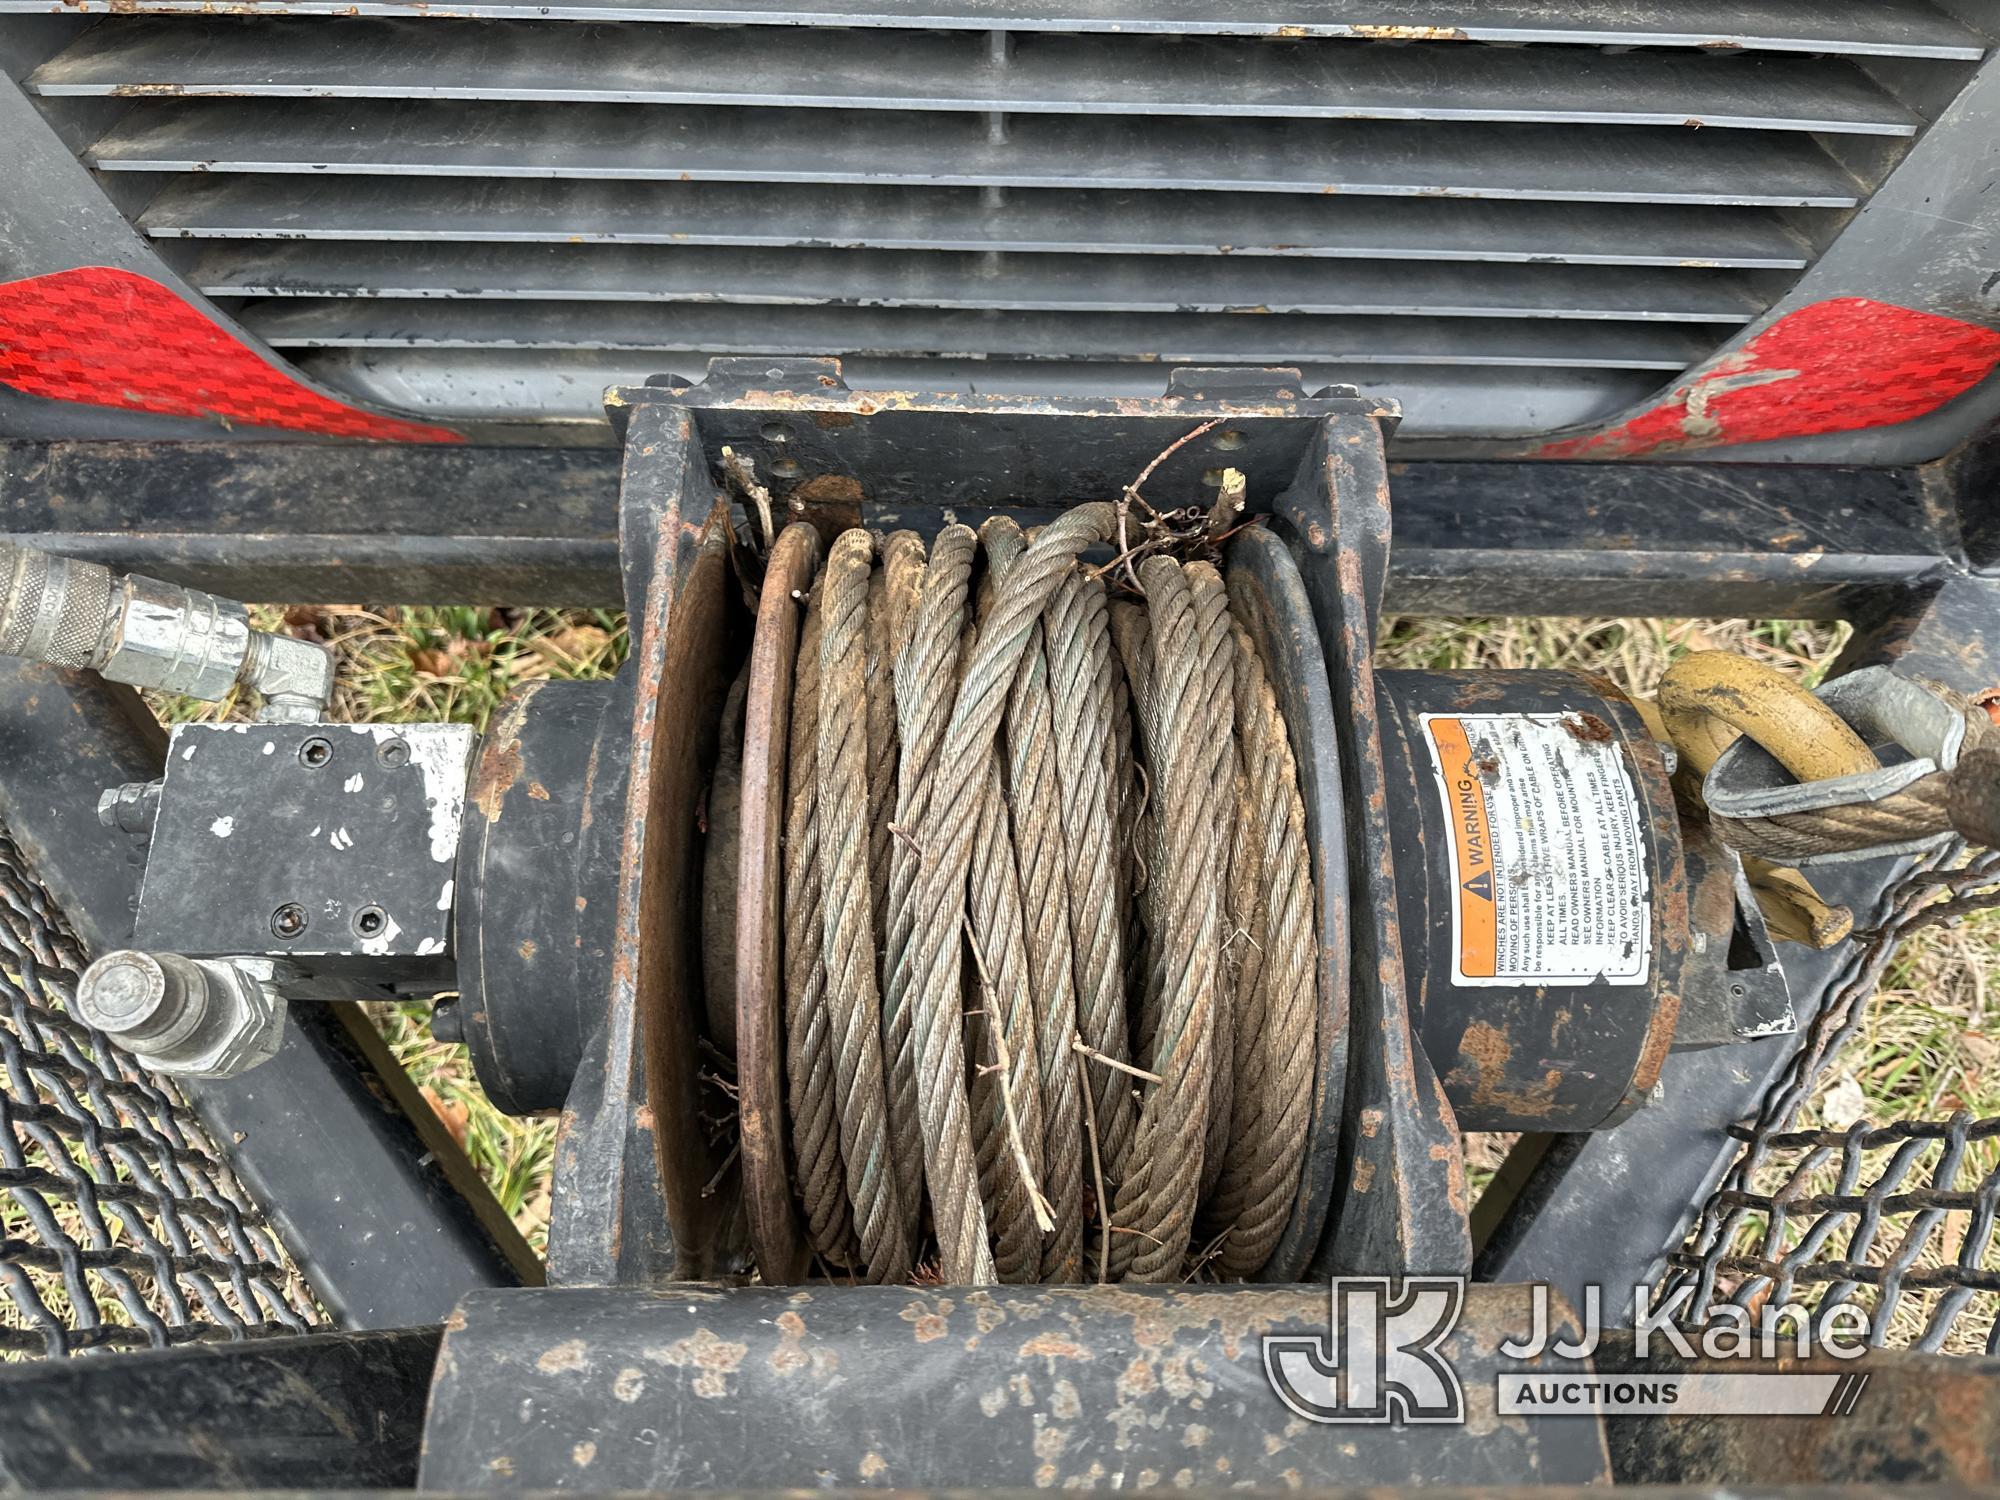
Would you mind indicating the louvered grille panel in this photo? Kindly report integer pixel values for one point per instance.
(1512, 214)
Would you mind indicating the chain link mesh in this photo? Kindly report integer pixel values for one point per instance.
(1897, 1220)
(123, 1227)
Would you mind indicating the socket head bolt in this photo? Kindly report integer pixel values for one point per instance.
(208, 1018)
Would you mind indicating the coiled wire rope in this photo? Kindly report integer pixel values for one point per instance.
(1048, 920)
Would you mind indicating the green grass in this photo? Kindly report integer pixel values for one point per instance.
(1925, 1048)
(399, 665)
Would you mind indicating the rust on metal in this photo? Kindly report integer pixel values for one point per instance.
(1410, 33)
(1674, 935)
(499, 764)
(721, 825)
(660, 957)
(1921, 1419)
(632, 1164)
(1486, 1070)
(829, 490)
(1588, 729)
(1079, 1388)
(1411, 1215)
(831, 502)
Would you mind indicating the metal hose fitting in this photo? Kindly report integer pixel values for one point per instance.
(131, 808)
(152, 634)
(206, 1017)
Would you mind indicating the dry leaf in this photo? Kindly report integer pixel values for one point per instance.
(457, 1115)
(573, 644)
(307, 621)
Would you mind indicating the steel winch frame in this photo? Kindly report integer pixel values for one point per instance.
(918, 460)
(1905, 553)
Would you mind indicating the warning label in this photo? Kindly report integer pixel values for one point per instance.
(1549, 860)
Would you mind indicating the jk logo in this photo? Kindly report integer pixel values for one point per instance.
(1379, 1361)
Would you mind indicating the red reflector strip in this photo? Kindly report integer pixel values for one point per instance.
(1832, 367)
(106, 337)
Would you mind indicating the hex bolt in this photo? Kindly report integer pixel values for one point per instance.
(288, 921)
(369, 922)
(393, 753)
(315, 752)
(210, 1018)
(130, 808)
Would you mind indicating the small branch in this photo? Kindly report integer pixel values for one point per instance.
(1143, 1234)
(709, 1187)
(1200, 1259)
(743, 474)
(1087, 1050)
(1132, 490)
(1096, 1165)
(1131, 495)
(1943, 912)
(1125, 557)
(1044, 1216)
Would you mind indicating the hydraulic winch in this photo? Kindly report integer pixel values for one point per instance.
(1002, 860)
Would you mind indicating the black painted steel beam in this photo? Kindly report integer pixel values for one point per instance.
(337, 523)
(340, 1411)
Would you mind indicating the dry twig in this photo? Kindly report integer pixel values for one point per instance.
(1096, 1170)
(1131, 496)
(1080, 1045)
(743, 474)
(1044, 1216)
